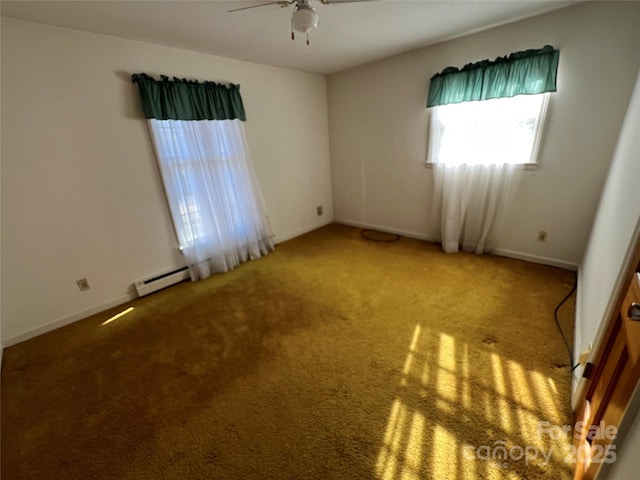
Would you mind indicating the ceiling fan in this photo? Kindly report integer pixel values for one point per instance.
(305, 17)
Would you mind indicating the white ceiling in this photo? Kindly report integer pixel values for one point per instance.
(348, 35)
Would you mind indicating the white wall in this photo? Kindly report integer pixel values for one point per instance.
(615, 229)
(81, 194)
(378, 129)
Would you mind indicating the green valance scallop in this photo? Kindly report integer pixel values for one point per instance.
(181, 99)
(521, 73)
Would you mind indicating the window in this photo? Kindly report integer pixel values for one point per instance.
(195, 158)
(214, 198)
(177, 162)
(214, 202)
(488, 132)
(207, 178)
(486, 118)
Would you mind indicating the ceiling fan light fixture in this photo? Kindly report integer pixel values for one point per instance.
(304, 19)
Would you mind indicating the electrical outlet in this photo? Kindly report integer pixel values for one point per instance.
(319, 210)
(542, 236)
(83, 284)
(583, 356)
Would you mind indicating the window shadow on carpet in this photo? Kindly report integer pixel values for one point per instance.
(468, 412)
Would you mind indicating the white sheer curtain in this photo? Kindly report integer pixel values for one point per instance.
(215, 201)
(469, 200)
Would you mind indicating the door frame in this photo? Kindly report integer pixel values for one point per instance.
(627, 271)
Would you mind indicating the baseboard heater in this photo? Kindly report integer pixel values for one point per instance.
(164, 280)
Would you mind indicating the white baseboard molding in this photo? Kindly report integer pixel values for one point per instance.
(553, 262)
(380, 228)
(22, 337)
(576, 375)
(302, 231)
(499, 251)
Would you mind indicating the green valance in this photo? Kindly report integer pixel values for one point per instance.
(182, 99)
(527, 72)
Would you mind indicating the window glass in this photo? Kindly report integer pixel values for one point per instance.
(488, 132)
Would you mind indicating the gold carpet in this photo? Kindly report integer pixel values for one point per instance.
(334, 357)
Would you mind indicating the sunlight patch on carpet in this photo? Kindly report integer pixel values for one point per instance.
(520, 383)
(449, 422)
(117, 316)
(409, 360)
(498, 377)
(547, 389)
(388, 458)
(413, 453)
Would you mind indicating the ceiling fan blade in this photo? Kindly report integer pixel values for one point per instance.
(282, 3)
(329, 2)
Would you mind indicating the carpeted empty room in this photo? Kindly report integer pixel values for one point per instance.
(334, 357)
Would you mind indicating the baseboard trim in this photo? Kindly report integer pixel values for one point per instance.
(499, 251)
(22, 337)
(553, 262)
(577, 381)
(380, 228)
(302, 231)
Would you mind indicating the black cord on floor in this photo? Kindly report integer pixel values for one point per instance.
(365, 234)
(555, 317)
